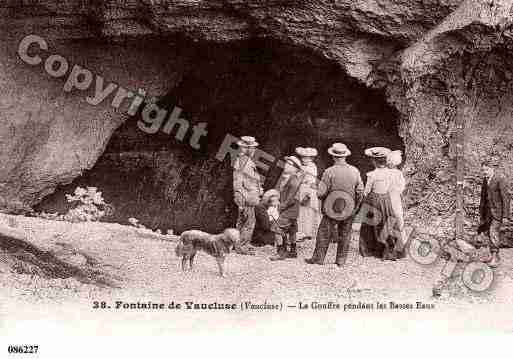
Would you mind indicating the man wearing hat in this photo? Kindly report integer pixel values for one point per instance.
(494, 206)
(289, 208)
(341, 189)
(247, 188)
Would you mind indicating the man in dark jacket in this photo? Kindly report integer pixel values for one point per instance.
(494, 207)
(289, 207)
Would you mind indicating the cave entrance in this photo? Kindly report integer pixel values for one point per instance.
(283, 96)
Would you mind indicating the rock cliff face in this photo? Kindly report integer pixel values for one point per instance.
(425, 64)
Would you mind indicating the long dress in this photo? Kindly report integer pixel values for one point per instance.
(396, 196)
(309, 215)
(377, 235)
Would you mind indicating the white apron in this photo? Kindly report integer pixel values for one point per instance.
(310, 215)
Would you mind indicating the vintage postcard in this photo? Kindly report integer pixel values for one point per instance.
(190, 166)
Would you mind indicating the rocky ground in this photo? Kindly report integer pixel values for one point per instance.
(145, 269)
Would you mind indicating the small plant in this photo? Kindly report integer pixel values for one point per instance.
(90, 205)
(135, 222)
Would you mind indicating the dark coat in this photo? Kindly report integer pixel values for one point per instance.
(263, 233)
(289, 197)
(495, 200)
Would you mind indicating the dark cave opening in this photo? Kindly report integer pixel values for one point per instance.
(284, 96)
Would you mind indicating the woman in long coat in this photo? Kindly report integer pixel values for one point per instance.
(377, 235)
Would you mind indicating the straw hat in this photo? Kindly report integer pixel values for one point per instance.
(339, 150)
(294, 160)
(301, 151)
(247, 141)
(491, 161)
(377, 152)
(306, 152)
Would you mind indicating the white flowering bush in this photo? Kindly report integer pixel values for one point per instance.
(89, 206)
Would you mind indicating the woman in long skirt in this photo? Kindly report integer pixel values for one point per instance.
(376, 215)
(309, 213)
(394, 159)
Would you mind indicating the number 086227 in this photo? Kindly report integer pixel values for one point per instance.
(22, 349)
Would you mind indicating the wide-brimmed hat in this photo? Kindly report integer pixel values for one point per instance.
(377, 152)
(294, 160)
(247, 141)
(491, 161)
(270, 193)
(306, 152)
(339, 150)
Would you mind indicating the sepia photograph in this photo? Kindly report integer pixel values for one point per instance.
(190, 166)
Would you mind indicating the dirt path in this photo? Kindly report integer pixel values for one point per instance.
(151, 273)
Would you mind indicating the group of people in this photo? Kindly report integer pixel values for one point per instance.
(301, 206)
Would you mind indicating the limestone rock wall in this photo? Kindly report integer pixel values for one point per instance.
(50, 136)
(459, 69)
(434, 60)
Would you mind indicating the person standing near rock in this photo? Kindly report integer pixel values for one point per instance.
(494, 207)
(247, 188)
(341, 189)
(289, 209)
(309, 214)
(376, 219)
(394, 159)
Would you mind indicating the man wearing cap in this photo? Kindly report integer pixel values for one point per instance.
(247, 188)
(494, 207)
(341, 189)
(289, 208)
